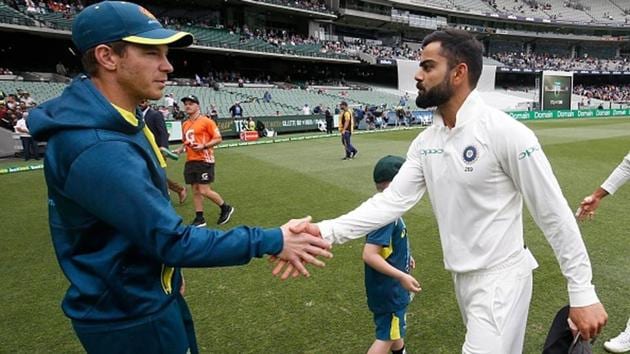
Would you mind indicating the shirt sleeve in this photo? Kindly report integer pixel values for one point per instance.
(618, 177)
(213, 129)
(383, 208)
(523, 159)
(382, 236)
(113, 182)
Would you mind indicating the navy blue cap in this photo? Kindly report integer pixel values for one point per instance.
(111, 21)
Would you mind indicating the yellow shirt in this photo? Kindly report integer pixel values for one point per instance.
(131, 119)
(346, 115)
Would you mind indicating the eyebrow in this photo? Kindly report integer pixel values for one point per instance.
(427, 61)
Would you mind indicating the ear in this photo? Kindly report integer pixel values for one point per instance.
(106, 57)
(460, 74)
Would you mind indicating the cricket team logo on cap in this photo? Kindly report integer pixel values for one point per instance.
(146, 12)
(470, 154)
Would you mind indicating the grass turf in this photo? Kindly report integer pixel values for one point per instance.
(244, 309)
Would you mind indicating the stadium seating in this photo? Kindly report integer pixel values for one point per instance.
(223, 38)
(472, 5)
(40, 91)
(12, 16)
(54, 20)
(284, 102)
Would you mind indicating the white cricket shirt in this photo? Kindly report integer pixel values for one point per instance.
(618, 177)
(477, 175)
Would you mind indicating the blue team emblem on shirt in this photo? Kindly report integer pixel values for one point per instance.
(470, 154)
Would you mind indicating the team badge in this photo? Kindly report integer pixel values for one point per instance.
(146, 12)
(470, 154)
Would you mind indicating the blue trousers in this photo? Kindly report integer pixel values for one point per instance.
(345, 140)
(29, 148)
(169, 331)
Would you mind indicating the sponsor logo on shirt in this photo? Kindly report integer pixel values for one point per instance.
(426, 152)
(528, 152)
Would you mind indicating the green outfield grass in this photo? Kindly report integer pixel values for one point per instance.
(245, 310)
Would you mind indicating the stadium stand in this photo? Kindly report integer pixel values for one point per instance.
(283, 102)
(314, 5)
(40, 91)
(13, 16)
(56, 20)
(547, 61)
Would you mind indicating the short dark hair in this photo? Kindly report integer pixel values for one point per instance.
(459, 46)
(88, 59)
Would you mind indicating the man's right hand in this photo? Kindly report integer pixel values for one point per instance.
(301, 247)
(589, 204)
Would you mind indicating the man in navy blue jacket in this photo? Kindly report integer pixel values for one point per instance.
(117, 238)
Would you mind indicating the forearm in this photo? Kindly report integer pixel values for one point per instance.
(533, 176)
(402, 194)
(599, 193)
(618, 177)
(574, 262)
(214, 142)
(379, 264)
(202, 247)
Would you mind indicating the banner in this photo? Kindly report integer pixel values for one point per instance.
(232, 127)
(584, 113)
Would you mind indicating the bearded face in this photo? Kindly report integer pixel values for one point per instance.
(436, 95)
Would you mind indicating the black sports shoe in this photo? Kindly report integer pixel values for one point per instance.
(226, 214)
(355, 153)
(199, 222)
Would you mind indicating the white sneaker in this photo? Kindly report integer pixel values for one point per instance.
(619, 344)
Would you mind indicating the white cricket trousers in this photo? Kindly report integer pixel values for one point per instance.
(494, 304)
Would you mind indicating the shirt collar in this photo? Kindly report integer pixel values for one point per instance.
(467, 112)
(128, 116)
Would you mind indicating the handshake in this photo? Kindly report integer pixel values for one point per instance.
(302, 244)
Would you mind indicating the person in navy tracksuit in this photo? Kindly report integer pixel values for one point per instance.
(117, 238)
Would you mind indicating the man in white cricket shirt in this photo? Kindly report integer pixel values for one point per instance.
(617, 178)
(478, 165)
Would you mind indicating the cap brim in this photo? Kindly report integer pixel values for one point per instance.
(162, 36)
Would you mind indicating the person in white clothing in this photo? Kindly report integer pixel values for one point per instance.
(169, 102)
(306, 110)
(478, 165)
(617, 178)
(29, 145)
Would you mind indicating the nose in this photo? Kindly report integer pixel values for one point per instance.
(166, 65)
(419, 77)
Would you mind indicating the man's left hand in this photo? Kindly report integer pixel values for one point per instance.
(589, 320)
(198, 147)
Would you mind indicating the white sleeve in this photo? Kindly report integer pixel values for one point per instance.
(524, 161)
(618, 177)
(402, 194)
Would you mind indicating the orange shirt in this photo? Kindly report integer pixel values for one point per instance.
(200, 130)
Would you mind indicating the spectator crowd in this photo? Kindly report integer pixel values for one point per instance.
(68, 8)
(13, 107)
(614, 93)
(546, 61)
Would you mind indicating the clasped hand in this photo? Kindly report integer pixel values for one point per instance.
(302, 245)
